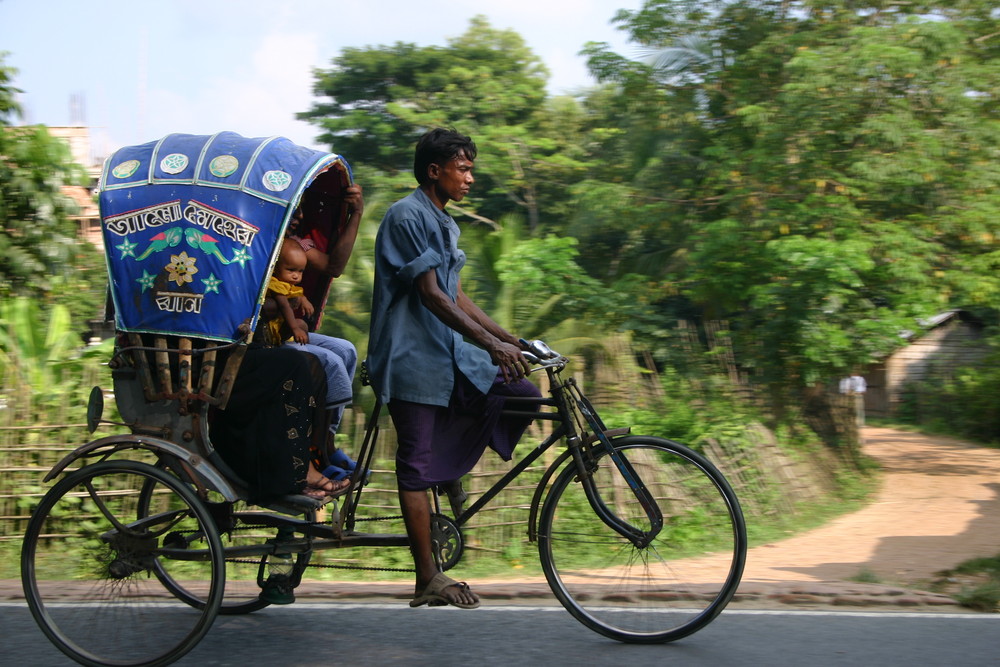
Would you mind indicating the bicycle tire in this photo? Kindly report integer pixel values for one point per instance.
(86, 566)
(661, 592)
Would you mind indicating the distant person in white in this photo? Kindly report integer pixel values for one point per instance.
(856, 386)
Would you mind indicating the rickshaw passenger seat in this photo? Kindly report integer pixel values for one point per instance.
(167, 385)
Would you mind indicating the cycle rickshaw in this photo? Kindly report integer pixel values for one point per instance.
(143, 541)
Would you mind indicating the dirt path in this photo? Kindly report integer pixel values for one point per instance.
(938, 505)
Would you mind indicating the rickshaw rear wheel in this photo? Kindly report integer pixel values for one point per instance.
(88, 558)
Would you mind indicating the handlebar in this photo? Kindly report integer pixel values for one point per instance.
(540, 354)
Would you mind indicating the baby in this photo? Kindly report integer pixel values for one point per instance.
(284, 290)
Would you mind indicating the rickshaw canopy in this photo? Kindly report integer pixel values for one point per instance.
(192, 226)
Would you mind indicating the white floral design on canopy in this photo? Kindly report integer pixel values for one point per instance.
(181, 268)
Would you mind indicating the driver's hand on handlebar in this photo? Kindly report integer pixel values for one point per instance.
(513, 365)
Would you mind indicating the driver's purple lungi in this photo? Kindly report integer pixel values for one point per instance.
(441, 444)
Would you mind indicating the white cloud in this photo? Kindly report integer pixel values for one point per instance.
(259, 99)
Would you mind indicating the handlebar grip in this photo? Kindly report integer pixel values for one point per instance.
(539, 349)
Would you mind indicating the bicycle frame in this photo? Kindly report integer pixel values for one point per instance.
(566, 402)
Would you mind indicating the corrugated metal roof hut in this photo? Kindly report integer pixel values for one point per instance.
(952, 338)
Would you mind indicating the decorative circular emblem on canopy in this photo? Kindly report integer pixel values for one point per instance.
(174, 163)
(223, 165)
(276, 180)
(125, 169)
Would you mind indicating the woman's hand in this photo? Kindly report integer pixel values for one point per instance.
(355, 200)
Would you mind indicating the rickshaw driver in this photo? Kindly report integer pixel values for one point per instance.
(444, 394)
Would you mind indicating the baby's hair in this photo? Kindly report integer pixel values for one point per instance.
(290, 246)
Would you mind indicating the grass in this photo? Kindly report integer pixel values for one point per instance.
(974, 584)
(515, 556)
(866, 576)
(10, 559)
(984, 597)
(509, 554)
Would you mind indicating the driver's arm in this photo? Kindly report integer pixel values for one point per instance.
(469, 320)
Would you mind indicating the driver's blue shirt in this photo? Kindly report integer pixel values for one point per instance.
(413, 355)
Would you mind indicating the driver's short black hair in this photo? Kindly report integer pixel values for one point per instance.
(438, 147)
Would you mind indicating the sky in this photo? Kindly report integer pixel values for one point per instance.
(141, 69)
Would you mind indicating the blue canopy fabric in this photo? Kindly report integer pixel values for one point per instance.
(192, 227)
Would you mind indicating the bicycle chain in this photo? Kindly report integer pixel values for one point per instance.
(254, 526)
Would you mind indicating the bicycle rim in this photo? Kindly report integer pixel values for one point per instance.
(87, 561)
(657, 593)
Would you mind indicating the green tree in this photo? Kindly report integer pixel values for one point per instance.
(38, 241)
(819, 174)
(534, 286)
(486, 83)
(43, 366)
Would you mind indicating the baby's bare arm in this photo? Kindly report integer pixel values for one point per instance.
(284, 308)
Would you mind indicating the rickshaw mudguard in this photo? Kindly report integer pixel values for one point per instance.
(114, 443)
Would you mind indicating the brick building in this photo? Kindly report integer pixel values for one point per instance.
(88, 217)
